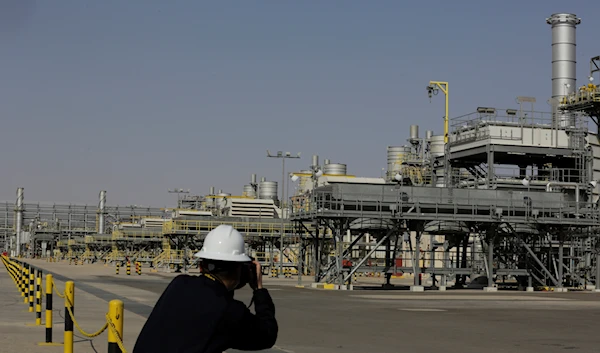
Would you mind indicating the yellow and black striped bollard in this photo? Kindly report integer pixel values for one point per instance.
(31, 288)
(38, 298)
(139, 268)
(117, 268)
(69, 305)
(49, 288)
(128, 268)
(24, 283)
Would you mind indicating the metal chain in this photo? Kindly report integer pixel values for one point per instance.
(116, 333)
(89, 335)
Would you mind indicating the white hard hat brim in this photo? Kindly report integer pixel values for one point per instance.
(223, 257)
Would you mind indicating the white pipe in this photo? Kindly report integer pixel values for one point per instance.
(101, 209)
(19, 225)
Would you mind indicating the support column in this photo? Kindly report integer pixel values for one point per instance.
(597, 273)
(19, 214)
(529, 284)
(388, 261)
(560, 265)
(317, 254)
(445, 266)
(491, 286)
(417, 286)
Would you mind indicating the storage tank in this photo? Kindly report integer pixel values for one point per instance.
(267, 190)
(437, 146)
(334, 169)
(395, 156)
(249, 191)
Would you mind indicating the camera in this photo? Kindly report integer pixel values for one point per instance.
(248, 275)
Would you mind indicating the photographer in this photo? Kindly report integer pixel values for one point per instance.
(197, 314)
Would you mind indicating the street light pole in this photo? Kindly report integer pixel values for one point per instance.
(432, 89)
(283, 157)
(185, 244)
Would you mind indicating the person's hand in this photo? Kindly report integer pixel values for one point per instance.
(258, 273)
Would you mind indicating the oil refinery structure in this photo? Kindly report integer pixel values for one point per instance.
(503, 195)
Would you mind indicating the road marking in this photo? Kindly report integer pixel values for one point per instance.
(459, 297)
(424, 309)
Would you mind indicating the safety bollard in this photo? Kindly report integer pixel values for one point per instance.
(49, 288)
(117, 268)
(38, 298)
(115, 316)
(139, 268)
(24, 283)
(31, 288)
(128, 268)
(69, 305)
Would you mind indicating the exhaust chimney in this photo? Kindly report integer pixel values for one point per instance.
(19, 225)
(564, 60)
(212, 190)
(315, 161)
(253, 179)
(101, 209)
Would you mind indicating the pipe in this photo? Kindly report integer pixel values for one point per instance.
(101, 211)
(567, 184)
(19, 225)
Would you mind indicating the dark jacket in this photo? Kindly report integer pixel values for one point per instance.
(196, 314)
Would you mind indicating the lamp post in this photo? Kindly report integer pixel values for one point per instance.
(433, 89)
(283, 156)
(185, 244)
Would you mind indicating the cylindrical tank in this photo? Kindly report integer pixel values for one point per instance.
(334, 169)
(249, 191)
(263, 179)
(437, 146)
(315, 161)
(253, 179)
(305, 181)
(428, 135)
(440, 178)
(395, 156)
(212, 190)
(221, 202)
(414, 132)
(564, 60)
(267, 190)
(326, 162)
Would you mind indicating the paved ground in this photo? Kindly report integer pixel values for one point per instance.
(350, 321)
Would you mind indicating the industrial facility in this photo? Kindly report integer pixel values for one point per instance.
(502, 197)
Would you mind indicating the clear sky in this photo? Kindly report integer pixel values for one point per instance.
(138, 96)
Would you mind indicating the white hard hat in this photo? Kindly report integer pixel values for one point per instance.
(224, 243)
